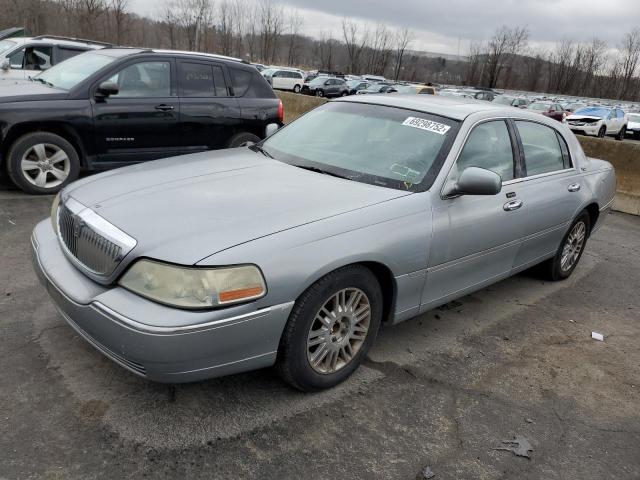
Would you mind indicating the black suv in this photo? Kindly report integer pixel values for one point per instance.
(117, 106)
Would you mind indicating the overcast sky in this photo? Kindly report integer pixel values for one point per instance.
(445, 25)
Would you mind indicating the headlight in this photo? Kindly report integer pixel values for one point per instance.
(194, 288)
(54, 212)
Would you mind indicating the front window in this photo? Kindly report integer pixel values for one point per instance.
(150, 79)
(70, 73)
(379, 145)
(6, 45)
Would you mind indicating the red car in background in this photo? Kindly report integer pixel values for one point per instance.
(549, 109)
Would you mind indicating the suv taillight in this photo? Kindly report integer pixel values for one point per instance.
(281, 112)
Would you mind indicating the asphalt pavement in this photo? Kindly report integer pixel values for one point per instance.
(443, 390)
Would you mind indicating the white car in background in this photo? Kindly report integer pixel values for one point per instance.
(599, 121)
(24, 57)
(633, 127)
(284, 78)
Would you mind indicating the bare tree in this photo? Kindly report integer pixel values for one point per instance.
(475, 62)
(402, 39)
(325, 47)
(118, 10)
(88, 13)
(354, 42)
(505, 43)
(630, 56)
(295, 23)
(271, 23)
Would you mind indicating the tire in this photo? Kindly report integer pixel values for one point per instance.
(242, 139)
(622, 133)
(296, 89)
(319, 93)
(338, 352)
(42, 163)
(344, 93)
(636, 135)
(555, 268)
(602, 132)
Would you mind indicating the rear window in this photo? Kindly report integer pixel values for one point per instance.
(250, 84)
(67, 53)
(201, 80)
(544, 151)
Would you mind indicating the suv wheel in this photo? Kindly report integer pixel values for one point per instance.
(296, 89)
(42, 163)
(602, 132)
(319, 93)
(622, 133)
(330, 329)
(242, 139)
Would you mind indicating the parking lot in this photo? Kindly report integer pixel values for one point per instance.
(442, 390)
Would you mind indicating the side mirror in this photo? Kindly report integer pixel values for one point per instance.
(271, 129)
(6, 65)
(106, 89)
(476, 181)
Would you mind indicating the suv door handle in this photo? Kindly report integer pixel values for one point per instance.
(512, 205)
(574, 187)
(164, 107)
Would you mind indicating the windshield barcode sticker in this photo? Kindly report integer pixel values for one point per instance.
(427, 125)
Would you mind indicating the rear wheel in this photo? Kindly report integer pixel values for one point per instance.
(242, 139)
(570, 251)
(42, 163)
(331, 327)
(622, 133)
(344, 93)
(602, 132)
(296, 89)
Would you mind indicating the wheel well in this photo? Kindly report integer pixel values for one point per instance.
(387, 285)
(594, 212)
(58, 129)
(255, 130)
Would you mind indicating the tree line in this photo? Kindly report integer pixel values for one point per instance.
(583, 69)
(266, 31)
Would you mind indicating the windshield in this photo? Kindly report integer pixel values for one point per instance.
(318, 81)
(593, 112)
(634, 117)
(6, 45)
(70, 73)
(503, 100)
(379, 145)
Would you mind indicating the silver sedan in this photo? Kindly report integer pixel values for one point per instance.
(293, 252)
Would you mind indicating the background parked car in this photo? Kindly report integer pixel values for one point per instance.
(24, 57)
(633, 125)
(486, 95)
(378, 88)
(326, 87)
(599, 121)
(511, 101)
(356, 85)
(284, 79)
(129, 105)
(549, 109)
(415, 89)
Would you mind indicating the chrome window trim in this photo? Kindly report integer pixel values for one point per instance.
(539, 175)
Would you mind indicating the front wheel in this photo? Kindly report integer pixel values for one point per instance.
(331, 327)
(42, 163)
(622, 133)
(319, 93)
(242, 139)
(570, 251)
(296, 89)
(602, 132)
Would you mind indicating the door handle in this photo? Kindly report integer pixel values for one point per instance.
(164, 107)
(512, 205)
(574, 187)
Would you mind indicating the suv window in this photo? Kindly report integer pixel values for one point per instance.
(37, 58)
(201, 80)
(620, 114)
(144, 79)
(488, 146)
(542, 150)
(250, 84)
(66, 53)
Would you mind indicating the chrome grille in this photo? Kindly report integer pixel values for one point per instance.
(85, 236)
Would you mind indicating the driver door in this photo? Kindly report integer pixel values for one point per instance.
(475, 237)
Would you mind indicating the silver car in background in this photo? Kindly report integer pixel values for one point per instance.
(293, 252)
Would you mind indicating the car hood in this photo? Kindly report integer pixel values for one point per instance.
(186, 208)
(10, 91)
(584, 118)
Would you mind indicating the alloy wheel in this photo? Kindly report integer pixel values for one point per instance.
(45, 165)
(573, 246)
(338, 330)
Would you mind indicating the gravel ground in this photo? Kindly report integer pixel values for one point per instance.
(442, 390)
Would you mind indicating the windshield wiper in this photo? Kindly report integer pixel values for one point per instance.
(324, 172)
(36, 79)
(258, 148)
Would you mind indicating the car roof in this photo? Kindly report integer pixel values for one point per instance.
(457, 108)
(67, 42)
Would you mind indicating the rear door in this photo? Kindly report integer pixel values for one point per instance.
(209, 115)
(140, 122)
(551, 188)
(475, 237)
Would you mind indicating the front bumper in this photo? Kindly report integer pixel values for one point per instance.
(160, 343)
(585, 129)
